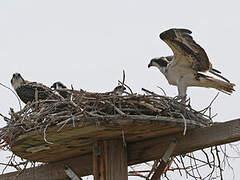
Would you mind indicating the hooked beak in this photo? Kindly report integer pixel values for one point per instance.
(149, 65)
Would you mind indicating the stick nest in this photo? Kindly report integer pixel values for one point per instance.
(82, 106)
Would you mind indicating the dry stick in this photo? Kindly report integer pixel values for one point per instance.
(65, 122)
(162, 90)
(205, 109)
(126, 86)
(123, 82)
(197, 167)
(192, 157)
(117, 109)
(8, 164)
(154, 166)
(123, 78)
(4, 117)
(44, 135)
(135, 173)
(20, 172)
(165, 160)
(227, 160)
(178, 168)
(203, 165)
(192, 169)
(19, 102)
(213, 156)
(219, 162)
(187, 173)
(150, 92)
(208, 162)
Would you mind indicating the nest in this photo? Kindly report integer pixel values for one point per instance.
(84, 106)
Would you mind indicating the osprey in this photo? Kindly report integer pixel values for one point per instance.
(61, 89)
(189, 59)
(119, 90)
(30, 91)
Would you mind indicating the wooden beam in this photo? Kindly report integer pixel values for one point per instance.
(147, 150)
(110, 160)
(55, 171)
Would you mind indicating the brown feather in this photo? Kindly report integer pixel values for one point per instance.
(182, 44)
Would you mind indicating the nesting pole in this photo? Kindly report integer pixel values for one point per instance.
(110, 160)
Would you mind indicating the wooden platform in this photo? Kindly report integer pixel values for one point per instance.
(70, 141)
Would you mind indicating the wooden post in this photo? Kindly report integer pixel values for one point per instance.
(110, 160)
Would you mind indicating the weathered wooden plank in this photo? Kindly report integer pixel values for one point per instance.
(99, 169)
(115, 154)
(78, 140)
(110, 160)
(55, 171)
(142, 151)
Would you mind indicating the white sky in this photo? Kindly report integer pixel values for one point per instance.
(89, 43)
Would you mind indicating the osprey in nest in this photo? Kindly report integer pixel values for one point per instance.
(61, 89)
(188, 63)
(31, 91)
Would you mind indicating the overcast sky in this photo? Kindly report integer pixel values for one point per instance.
(89, 43)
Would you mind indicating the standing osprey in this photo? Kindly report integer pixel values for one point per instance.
(61, 89)
(30, 91)
(188, 60)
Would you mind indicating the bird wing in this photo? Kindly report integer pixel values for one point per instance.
(186, 51)
(27, 92)
(44, 92)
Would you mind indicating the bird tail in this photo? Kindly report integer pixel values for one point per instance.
(217, 73)
(225, 87)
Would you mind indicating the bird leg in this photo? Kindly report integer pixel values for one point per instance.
(182, 90)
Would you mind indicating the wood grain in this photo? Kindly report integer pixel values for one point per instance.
(142, 151)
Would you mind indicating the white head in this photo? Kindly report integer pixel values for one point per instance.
(161, 63)
(17, 80)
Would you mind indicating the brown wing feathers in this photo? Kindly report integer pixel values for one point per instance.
(181, 42)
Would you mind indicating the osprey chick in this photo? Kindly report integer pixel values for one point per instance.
(188, 60)
(61, 89)
(29, 91)
(119, 90)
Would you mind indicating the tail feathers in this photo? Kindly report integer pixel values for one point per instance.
(220, 85)
(218, 75)
(215, 70)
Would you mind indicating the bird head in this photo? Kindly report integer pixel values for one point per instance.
(119, 90)
(158, 62)
(58, 85)
(161, 63)
(17, 80)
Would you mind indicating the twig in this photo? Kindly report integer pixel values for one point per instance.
(44, 135)
(205, 109)
(162, 90)
(19, 102)
(126, 86)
